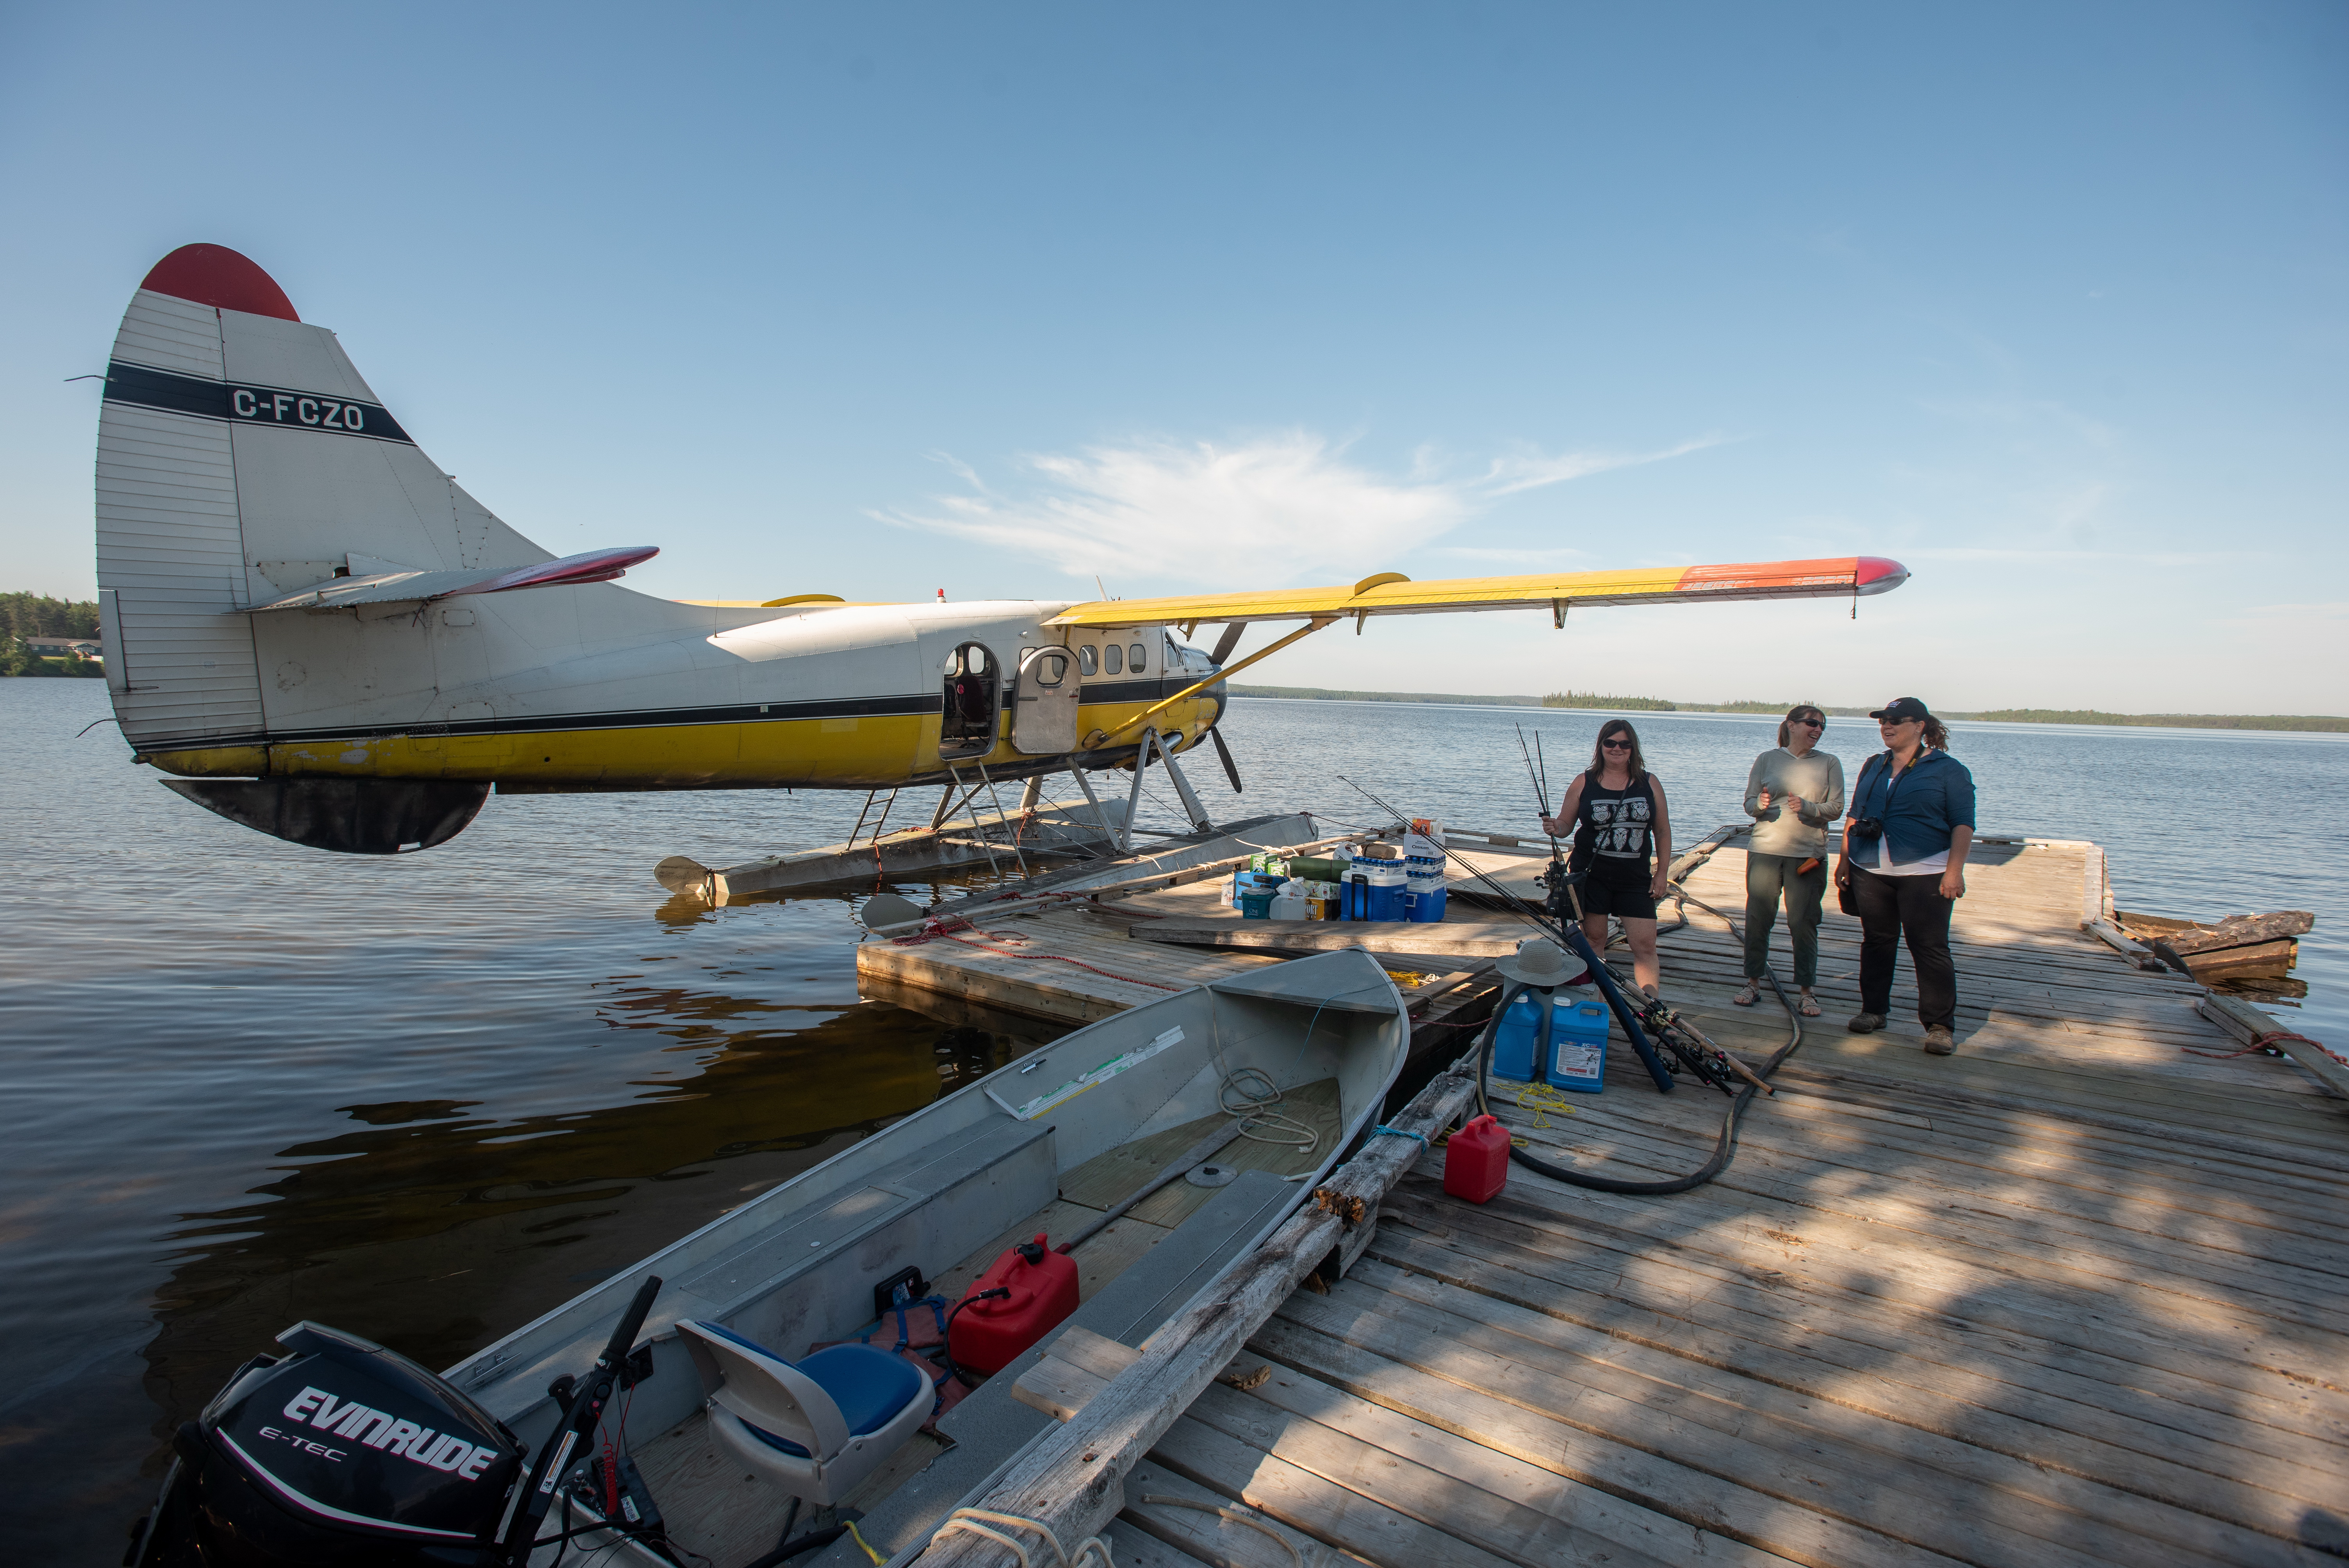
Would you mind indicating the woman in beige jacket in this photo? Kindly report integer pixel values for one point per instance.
(1792, 792)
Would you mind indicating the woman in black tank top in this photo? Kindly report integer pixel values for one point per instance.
(1623, 838)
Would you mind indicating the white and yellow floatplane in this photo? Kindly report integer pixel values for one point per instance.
(323, 637)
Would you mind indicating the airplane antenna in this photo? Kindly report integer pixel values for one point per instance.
(1097, 582)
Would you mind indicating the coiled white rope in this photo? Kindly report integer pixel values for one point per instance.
(1092, 1549)
(1260, 1109)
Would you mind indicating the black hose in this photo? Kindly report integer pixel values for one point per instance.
(1724, 1148)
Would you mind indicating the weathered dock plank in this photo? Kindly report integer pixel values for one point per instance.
(2073, 1295)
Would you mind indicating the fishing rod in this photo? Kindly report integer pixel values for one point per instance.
(1704, 1060)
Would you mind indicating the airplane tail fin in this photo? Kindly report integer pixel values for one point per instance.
(240, 459)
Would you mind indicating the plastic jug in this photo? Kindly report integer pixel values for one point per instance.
(985, 1335)
(1289, 903)
(1578, 1045)
(1477, 1160)
(1521, 1044)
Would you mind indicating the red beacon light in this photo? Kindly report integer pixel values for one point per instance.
(1023, 1296)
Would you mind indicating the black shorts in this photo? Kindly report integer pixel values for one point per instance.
(1619, 895)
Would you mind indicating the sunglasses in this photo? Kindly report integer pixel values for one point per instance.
(1615, 745)
(1812, 723)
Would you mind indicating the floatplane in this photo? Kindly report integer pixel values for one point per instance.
(319, 634)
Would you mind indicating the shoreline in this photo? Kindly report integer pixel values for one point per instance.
(2080, 719)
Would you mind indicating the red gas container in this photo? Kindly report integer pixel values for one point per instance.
(985, 1335)
(1477, 1160)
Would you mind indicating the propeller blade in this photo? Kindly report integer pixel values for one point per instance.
(1226, 643)
(1231, 768)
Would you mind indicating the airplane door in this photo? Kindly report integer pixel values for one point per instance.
(1044, 716)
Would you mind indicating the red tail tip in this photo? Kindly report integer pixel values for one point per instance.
(216, 275)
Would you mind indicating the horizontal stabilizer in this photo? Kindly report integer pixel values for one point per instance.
(387, 587)
(1391, 594)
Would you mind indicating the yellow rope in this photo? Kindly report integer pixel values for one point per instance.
(877, 1559)
(1541, 1099)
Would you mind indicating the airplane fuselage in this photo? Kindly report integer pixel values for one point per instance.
(816, 697)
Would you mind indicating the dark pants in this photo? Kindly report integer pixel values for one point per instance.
(1889, 909)
(1766, 877)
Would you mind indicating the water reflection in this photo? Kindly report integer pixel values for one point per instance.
(371, 1228)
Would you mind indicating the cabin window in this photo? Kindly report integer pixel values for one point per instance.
(1087, 661)
(1051, 669)
(1113, 659)
(1137, 658)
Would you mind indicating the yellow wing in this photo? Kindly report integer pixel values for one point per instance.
(1391, 594)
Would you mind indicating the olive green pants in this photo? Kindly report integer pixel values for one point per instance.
(1767, 878)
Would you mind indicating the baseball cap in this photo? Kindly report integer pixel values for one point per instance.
(1902, 708)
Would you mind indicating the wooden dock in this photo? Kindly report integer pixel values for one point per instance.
(2075, 1295)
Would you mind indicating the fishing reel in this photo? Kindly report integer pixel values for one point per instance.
(1704, 1060)
(1564, 899)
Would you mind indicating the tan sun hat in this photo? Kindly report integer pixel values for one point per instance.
(1538, 961)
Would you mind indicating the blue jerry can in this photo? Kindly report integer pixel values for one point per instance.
(1578, 1041)
(1521, 1042)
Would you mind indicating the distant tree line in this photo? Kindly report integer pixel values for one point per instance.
(25, 615)
(1592, 699)
(1583, 699)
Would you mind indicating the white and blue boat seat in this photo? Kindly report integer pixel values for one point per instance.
(816, 1427)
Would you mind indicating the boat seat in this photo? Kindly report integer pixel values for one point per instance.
(816, 1427)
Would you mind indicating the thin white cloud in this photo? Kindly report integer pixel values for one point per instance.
(2138, 557)
(1290, 504)
(1558, 557)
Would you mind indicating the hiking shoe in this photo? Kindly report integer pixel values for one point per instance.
(1939, 1041)
(1864, 1022)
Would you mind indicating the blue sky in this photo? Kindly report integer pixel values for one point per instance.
(2047, 301)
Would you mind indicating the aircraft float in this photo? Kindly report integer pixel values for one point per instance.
(321, 635)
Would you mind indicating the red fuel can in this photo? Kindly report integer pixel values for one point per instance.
(1477, 1160)
(985, 1335)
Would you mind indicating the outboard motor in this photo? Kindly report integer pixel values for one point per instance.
(341, 1451)
(343, 1454)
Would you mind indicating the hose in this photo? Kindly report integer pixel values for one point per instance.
(1724, 1147)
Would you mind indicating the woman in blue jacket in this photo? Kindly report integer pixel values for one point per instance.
(1905, 843)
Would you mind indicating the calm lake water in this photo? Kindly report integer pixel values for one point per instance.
(425, 1098)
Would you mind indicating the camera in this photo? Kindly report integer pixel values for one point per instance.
(1862, 828)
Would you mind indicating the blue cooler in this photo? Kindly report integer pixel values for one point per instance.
(1519, 1043)
(1578, 1043)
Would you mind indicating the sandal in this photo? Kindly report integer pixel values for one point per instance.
(1810, 1006)
(1747, 997)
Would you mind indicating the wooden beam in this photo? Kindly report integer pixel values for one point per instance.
(1073, 1482)
(2247, 1022)
(1462, 938)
